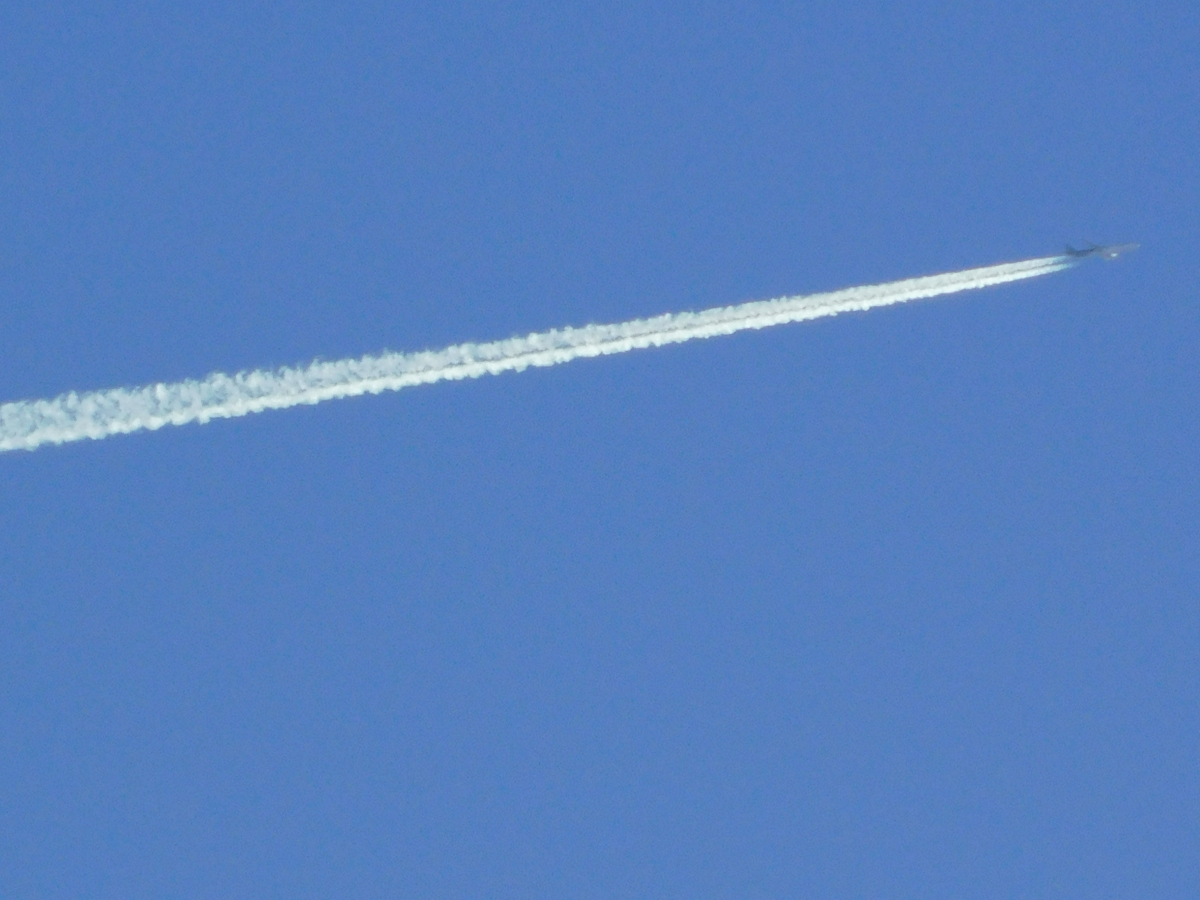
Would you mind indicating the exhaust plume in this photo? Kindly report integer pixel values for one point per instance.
(27, 424)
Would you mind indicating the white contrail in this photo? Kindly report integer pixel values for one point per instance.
(27, 424)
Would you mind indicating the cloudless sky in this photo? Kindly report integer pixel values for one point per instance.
(901, 604)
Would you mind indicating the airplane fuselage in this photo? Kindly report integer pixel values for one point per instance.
(1108, 251)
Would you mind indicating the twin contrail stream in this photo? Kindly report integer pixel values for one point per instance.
(27, 424)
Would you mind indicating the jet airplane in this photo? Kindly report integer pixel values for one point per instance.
(1103, 251)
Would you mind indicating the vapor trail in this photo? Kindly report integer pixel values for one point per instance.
(27, 424)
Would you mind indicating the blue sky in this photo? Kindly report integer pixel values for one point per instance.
(899, 604)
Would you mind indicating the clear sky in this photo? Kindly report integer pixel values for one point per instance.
(900, 604)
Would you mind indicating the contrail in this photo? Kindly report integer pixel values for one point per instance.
(27, 424)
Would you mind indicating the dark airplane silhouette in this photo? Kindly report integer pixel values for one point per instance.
(1103, 251)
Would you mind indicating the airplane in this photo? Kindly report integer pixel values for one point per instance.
(1109, 251)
